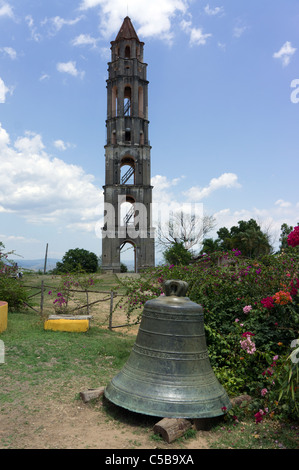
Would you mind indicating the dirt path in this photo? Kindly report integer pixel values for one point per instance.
(42, 422)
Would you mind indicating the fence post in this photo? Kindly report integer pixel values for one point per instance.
(42, 298)
(111, 310)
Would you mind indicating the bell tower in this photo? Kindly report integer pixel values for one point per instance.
(127, 189)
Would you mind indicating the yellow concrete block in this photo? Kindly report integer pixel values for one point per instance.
(67, 325)
(3, 316)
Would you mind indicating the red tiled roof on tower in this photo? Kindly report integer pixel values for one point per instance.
(127, 31)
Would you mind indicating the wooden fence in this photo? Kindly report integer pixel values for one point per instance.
(111, 297)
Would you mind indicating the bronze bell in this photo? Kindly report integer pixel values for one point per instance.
(168, 373)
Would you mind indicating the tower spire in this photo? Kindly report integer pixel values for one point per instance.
(127, 31)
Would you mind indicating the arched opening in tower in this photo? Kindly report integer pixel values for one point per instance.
(127, 212)
(128, 256)
(127, 170)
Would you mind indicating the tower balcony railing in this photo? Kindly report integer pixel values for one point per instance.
(127, 108)
(128, 175)
(128, 216)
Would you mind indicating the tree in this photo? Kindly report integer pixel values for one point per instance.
(247, 237)
(209, 246)
(123, 268)
(177, 254)
(186, 229)
(77, 259)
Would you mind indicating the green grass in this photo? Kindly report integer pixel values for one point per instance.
(248, 435)
(33, 355)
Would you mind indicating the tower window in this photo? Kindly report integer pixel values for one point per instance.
(128, 135)
(127, 101)
(127, 52)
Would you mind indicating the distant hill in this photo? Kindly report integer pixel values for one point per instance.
(36, 264)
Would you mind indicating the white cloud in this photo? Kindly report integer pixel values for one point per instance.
(226, 180)
(285, 53)
(238, 31)
(154, 17)
(239, 28)
(3, 91)
(61, 145)
(213, 11)
(197, 37)
(164, 198)
(4, 137)
(56, 23)
(9, 51)
(86, 4)
(84, 40)
(282, 203)
(44, 76)
(6, 10)
(42, 189)
(221, 45)
(69, 68)
(161, 182)
(32, 28)
(17, 238)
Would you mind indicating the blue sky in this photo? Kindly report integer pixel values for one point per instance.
(223, 110)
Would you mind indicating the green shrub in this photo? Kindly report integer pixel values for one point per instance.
(11, 288)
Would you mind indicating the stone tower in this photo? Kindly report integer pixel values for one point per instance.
(127, 189)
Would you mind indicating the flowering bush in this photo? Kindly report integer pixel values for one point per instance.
(137, 292)
(293, 237)
(68, 286)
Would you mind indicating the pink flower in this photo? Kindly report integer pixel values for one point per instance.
(264, 391)
(293, 237)
(267, 302)
(258, 417)
(247, 308)
(248, 345)
(245, 335)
